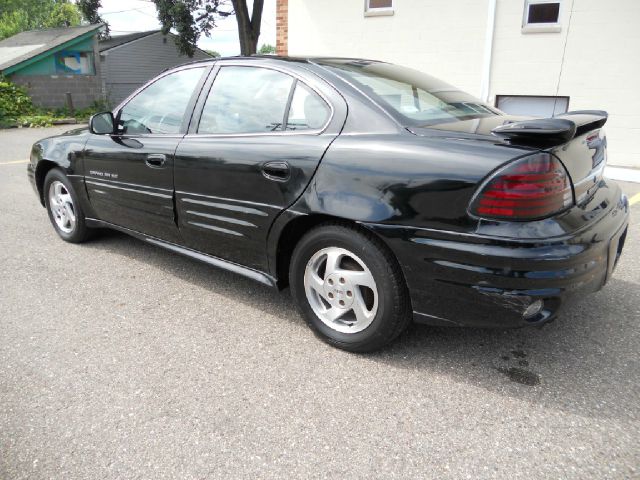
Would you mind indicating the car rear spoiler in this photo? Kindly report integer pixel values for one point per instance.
(552, 131)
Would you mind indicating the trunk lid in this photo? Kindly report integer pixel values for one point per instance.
(585, 154)
(576, 138)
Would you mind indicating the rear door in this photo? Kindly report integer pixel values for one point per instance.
(129, 176)
(253, 146)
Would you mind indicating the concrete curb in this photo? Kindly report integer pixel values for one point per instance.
(623, 174)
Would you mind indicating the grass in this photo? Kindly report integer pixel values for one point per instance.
(46, 118)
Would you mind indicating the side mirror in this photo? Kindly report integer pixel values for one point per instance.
(102, 123)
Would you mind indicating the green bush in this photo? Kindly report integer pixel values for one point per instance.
(83, 114)
(30, 121)
(14, 100)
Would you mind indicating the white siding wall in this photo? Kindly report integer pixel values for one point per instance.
(601, 67)
(129, 66)
(446, 38)
(436, 36)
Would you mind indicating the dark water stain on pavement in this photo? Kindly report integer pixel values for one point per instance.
(520, 375)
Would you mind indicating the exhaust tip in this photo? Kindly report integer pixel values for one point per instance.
(533, 309)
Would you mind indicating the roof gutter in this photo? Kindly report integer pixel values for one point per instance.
(115, 47)
(488, 51)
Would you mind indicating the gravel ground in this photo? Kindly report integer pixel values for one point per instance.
(122, 360)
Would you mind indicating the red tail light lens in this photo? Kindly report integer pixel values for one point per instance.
(530, 188)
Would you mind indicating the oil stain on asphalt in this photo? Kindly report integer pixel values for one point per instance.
(519, 374)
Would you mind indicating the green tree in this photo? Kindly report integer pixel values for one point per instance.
(267, 49)
(13, 22)
(213, 53)
(192, 18)
(19, 15)
(89, 9)
(63, 14)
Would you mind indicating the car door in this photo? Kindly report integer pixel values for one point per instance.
(129, 175)
(254, 144)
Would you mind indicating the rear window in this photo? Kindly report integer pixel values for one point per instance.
(412, 97)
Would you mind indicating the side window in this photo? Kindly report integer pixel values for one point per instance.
(160, 107)
(246, 100)
(308, 111)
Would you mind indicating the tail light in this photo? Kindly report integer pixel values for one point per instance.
(533, 187)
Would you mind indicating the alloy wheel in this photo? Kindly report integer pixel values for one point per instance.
(61, 206)
(341, 290)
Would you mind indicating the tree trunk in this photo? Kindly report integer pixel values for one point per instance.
(248, 28)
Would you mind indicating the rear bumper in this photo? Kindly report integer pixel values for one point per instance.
(483, 281)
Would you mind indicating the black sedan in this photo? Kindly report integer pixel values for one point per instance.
(377, 193)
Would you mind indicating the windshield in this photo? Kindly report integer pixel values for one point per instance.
(412, 97)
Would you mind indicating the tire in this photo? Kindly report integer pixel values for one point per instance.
(63, 207)
(342, 305)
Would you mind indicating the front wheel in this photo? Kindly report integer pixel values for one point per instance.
(63, 208)
(349, 288)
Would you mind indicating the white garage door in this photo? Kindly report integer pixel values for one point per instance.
(532, 106)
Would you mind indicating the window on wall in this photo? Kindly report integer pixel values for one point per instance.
(378, 7)
(74, 63)
(534, 106)
(541, 16)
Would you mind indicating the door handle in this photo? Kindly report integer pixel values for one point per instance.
(156, 160)
(276, 171)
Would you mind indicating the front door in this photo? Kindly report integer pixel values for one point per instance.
(129, 175)
(254, 144)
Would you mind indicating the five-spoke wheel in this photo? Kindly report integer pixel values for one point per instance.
(64, 208)
(341, 289)
(61, 206)
(349, 287)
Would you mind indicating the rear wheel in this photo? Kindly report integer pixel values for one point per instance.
(349, 287)
(63, 207)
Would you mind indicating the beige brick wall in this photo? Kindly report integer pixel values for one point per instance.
(446, 38)
(282, 27)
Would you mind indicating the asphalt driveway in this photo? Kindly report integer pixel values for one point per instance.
(122, 360)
